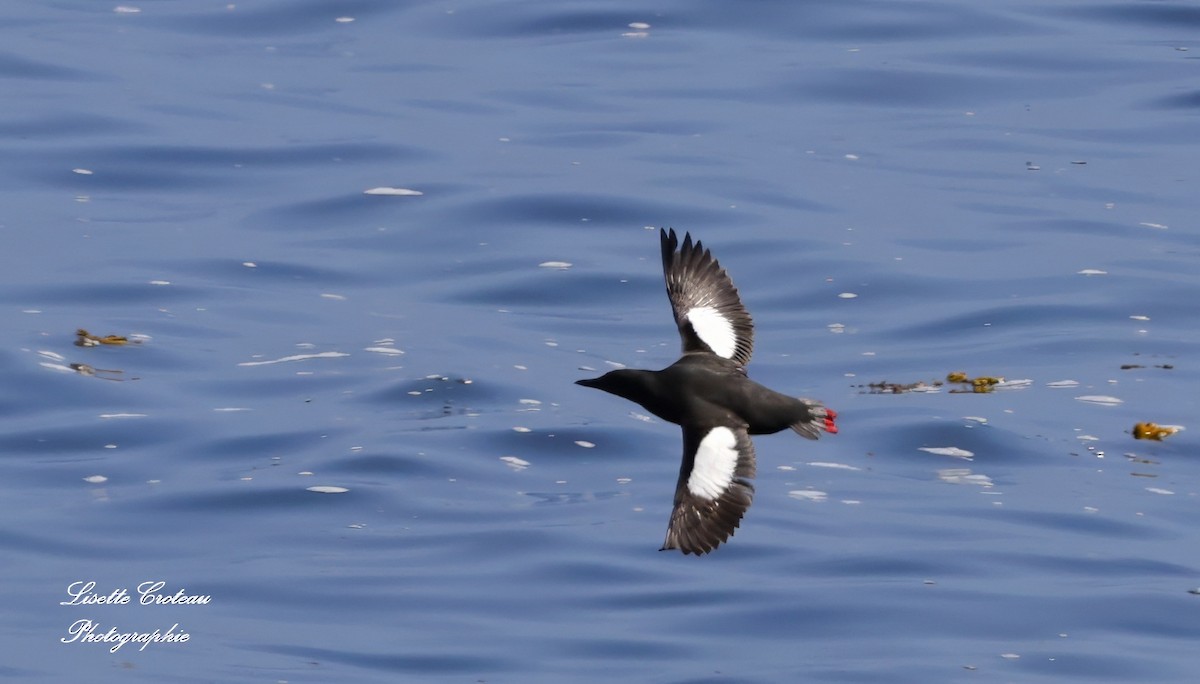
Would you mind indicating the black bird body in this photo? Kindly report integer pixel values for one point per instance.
(708, 394)
(718, 389)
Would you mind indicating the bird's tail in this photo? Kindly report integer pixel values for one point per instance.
(817, 420)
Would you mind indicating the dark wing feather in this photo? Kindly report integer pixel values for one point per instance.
(704, 300)
(699, 523)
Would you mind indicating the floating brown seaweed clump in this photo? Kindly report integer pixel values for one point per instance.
(1154, 431)
(84, 338)
(885, 387)
(979, 385)
(966, 385)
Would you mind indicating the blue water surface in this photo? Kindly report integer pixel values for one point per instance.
(361, 250)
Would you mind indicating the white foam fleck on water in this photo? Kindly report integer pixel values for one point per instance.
(847, 295)
(949, 451)
(393, 192)
(83, 172)
(122, 415)
(520, 428)
(1102, 400)
(1092, 272)
(296, 357)
(585, 444)
(515, 463)
(963, 476)
(640, 30)
(1159, 490)
(1057, 384)
(560, 265)
(808, 495)
(389, 351)
(836, 466)
(327, 489)
(95, 479)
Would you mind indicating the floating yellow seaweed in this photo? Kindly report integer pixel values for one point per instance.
(84, 338)
(1154, 431)
(980, 385)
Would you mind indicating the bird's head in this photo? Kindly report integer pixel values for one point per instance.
(624, 382)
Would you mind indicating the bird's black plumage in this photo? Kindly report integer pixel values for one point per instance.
(708, 394)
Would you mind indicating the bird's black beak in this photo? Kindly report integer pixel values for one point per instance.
(587, 382)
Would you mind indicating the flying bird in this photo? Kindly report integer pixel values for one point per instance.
(707, 393)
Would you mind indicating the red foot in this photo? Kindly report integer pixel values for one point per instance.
(830, 426)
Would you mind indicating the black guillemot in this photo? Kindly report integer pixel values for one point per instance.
(707, 393)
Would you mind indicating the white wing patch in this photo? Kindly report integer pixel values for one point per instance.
(713, 329)
(716, 459)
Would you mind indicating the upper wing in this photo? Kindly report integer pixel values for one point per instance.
(713, 492)
(707, 307)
